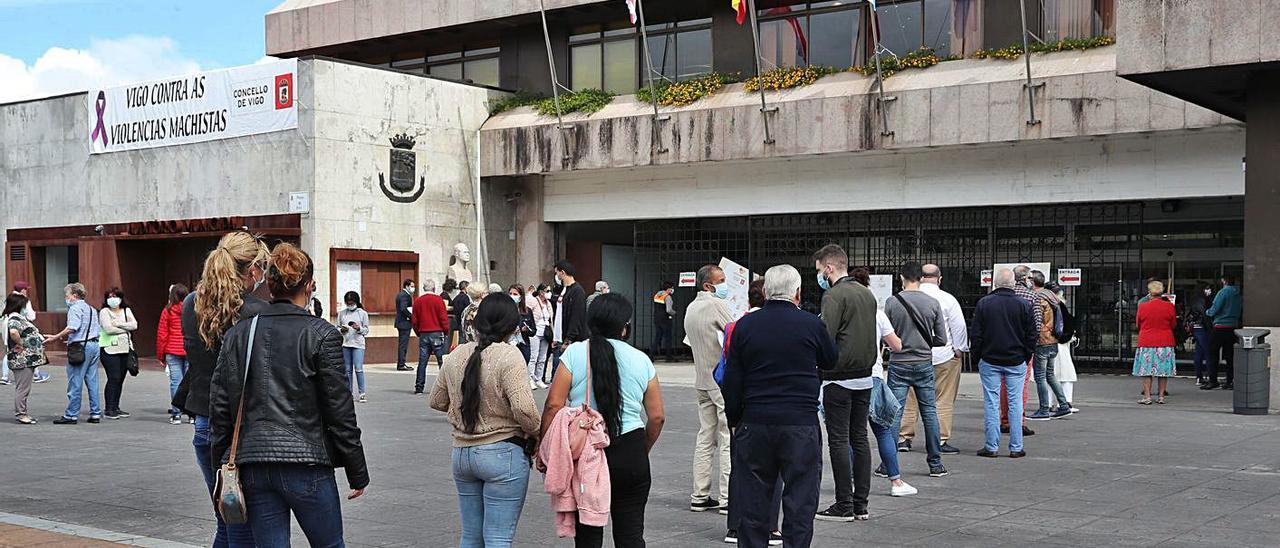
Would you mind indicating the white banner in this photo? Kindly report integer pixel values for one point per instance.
(1042, 268)
(204, 106)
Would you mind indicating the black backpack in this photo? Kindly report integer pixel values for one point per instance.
(1068, 324)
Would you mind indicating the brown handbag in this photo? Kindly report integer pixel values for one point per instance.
(228, 495)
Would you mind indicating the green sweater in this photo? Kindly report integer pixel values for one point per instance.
(849, 310)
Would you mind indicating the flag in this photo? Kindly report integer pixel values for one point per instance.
(631, 7)
(739, 6)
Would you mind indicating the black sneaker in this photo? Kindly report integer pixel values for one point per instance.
(904, 446)
(1017, 454)
(861, 514)
(111, 415)
(1027, 431)
(880, 472)
(938, 471)
(1225, 386)
(94, 419)
(731, 537)
(947, 449)
(64, 420)
(836, 513)
(417, 392)
(709, 504)
(1209, 385)
(984, 452)
(122, 414)
(775, 539)
(404, 369)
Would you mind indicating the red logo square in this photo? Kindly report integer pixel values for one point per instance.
(284, 91)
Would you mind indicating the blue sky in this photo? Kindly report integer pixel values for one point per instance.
(56, 46)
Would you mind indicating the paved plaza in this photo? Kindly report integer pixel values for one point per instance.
(1185, 474)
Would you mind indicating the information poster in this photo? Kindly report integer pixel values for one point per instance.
(348, 278)
(739, 280)
(882, 287)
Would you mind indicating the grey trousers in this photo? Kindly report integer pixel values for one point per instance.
(22, 382)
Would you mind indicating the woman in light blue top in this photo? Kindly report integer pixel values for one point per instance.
(625, 391)
(353, 322)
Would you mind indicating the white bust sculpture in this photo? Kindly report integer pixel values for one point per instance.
(458, 270)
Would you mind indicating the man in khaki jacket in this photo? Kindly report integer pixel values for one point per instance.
(704, 324)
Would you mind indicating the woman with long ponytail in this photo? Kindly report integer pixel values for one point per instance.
(232, 271)
(484, 388)
(624, 389)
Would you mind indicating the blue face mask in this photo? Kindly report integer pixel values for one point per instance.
(822, 281)
(722, 290)
(68, 301)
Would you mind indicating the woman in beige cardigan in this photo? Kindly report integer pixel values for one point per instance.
(116, 341)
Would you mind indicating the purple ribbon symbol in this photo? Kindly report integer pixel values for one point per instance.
(100, 106)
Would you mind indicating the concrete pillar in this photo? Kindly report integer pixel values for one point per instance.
(732, 47)
(535, 239)
(1261, 201)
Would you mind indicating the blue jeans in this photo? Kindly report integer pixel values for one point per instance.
(492, 482)
(84, 377)
(273, 490)
(886, 445)
(1013, 376)
(1201, 356)
(428, 344)
(920, 377)
(1046, 355)
(225, 536)
(177, 367)
(354, 360)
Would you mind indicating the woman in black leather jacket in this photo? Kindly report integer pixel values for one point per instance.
(299, 422)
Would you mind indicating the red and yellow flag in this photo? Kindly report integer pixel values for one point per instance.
(739, 6)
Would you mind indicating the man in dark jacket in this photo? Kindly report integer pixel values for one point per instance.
(849, 312)
(571, 307)
(404, 322)
(1004, 337)
(770, 386)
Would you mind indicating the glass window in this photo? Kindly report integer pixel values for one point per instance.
(620, 66)
(834, 39)
(937, 25)
(901, 28)
(783, 42)
(452, 71)
(413, 65)
(662, 54)
(693, 53)
(61, 267)
(584, 66)
(482, 71)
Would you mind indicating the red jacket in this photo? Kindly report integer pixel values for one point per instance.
(429, 315)
(169, 332)
(1156, 320)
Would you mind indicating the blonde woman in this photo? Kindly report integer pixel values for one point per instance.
(232, 271)
(1155, 358)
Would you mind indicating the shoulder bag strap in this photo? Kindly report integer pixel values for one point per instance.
(587, 400)
(915, 318)
(248, 354)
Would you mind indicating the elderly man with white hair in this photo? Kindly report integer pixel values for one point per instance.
(1003, 339)
(770, 383)
(602, 287)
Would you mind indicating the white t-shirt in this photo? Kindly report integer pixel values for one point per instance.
(883, 329)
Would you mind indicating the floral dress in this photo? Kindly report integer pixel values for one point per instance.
(32, 354)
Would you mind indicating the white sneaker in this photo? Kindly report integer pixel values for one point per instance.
(533, 385)
(542, 385)
(363, 399)
(904, 490)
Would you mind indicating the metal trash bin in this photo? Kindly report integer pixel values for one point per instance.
(1252, 394)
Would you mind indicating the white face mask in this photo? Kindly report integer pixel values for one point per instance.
(113, 302)
(351, 307)
(516, 298)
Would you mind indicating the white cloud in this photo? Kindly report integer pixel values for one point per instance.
(103, 63)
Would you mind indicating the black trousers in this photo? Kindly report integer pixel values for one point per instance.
(114, 365)
(764, 453)
(402, 348)
(1222, 342)
(846, 412)
(630, 480)
(661, 340)
(735, 504)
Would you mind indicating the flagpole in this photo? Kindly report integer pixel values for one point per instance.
(881, 99)
(555, 84)
(755, 36)
(654, 139)
(1026, 53)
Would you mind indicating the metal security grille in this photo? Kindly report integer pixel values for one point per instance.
(1104, 240)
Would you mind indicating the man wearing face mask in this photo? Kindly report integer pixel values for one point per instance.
(704, 323)
(849, 312)
(570, 323)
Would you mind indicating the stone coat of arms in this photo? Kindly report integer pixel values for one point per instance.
(403, 170)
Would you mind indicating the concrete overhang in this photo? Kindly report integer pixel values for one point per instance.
(967, 102)
(1201, 51)
(298, 27)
